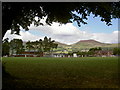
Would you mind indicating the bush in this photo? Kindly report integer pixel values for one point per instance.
(116, 51)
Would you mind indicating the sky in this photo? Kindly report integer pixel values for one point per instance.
(71, 33)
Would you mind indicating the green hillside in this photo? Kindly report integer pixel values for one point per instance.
(62, 44)
(82, 45)
(88, 44)
(85, 44)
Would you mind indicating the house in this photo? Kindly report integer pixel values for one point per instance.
(103, 53)
(84, 50)
(75, 55)
(63, 53)
(28, 54)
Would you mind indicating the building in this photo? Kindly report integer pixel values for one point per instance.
(103, 53)
(29, 54)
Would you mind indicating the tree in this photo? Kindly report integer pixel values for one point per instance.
(95, 49)
(21, 14)
(16, 45)
(49, 44)
(92, 51)
(12, 47)
(52, 45)
(28, 45)
(46, 45)
(5, 47)
(116, 51)
(40, 46)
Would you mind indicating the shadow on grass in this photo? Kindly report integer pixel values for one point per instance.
(13, 83)
(10, 82)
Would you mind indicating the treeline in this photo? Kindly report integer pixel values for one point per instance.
(92, 51)
(17, 46)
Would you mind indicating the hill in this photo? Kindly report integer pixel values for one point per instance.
(88, 44)
(85, 44)
(62, 44)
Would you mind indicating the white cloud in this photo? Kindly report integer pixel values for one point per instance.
(106, 38)
(66, 33)
(25, 36)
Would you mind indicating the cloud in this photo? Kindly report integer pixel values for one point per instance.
(25, 36)
(106, 38)
(66, 33)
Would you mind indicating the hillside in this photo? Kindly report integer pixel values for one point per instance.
(86, 44)
(61, 44)
(83, 44)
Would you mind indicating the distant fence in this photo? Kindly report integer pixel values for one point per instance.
(26, 55)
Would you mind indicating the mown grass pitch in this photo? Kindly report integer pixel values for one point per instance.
(87, 72)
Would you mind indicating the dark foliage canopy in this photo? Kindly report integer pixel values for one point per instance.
(16, 14)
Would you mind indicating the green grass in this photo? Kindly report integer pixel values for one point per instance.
(87, 72)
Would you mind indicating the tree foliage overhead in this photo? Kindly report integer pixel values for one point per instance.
(23, 14)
